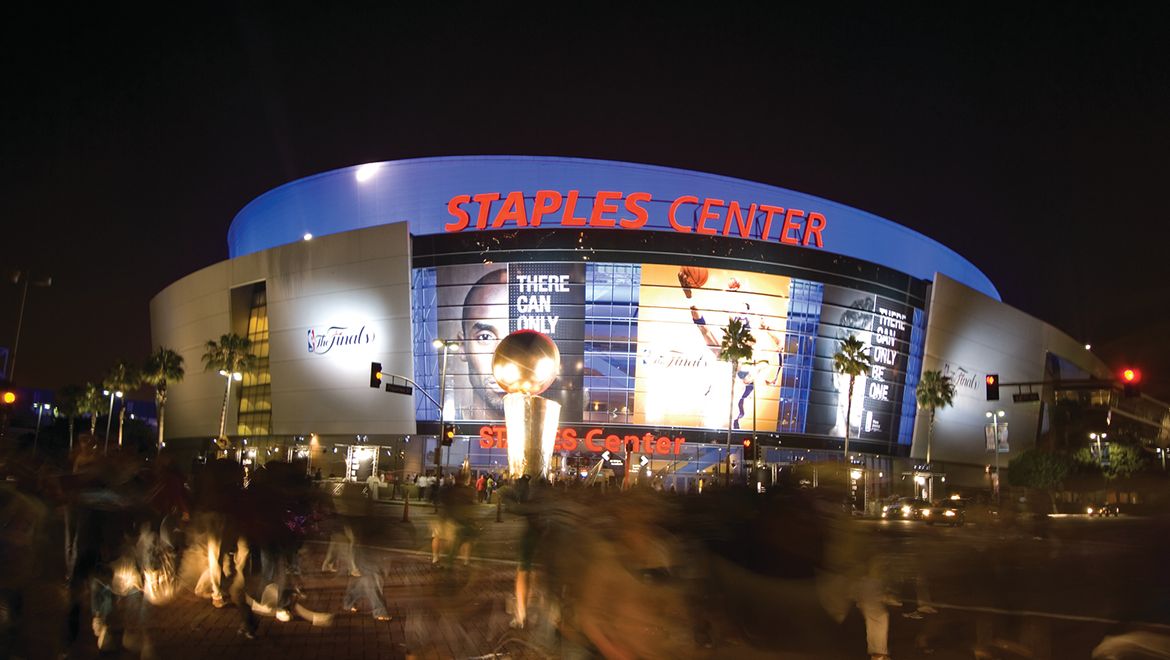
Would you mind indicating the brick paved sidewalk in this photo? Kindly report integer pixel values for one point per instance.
(437, 613)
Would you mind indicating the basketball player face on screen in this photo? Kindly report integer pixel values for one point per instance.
(485, 323)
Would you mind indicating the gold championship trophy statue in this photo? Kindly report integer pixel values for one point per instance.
(525, 364)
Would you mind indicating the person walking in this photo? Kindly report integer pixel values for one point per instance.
(373, 482)
(366, 579)
(480, 488)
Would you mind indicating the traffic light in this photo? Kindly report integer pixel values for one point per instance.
(1131, 381)
(448, 434)
(747, 443)
(992, 387)
(9, 397)
(375, 374)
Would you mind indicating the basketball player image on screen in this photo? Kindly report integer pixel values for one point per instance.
(694, 277)
(484, 324)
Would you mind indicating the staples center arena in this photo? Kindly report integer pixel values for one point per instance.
(634, 271)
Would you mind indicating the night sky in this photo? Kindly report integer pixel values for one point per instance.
(1033, 140)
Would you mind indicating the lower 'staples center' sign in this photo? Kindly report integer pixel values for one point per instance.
(594, 440)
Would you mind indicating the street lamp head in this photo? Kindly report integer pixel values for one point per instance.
(450, 344)
(118, 394)
(237, 376)
(222, 372)
(105, 392)
(1000, 413)
(988, 414)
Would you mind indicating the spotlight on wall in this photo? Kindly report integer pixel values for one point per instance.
(365, 172)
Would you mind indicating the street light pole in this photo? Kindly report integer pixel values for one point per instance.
(43, 281)
(995, 436)
(447, 345)
(226, 398)
(1100, 456)
(110, 418)
(41, 408)
(755, 447)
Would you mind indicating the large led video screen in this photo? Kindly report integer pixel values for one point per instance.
(480, 304)
(639, 345)
(680, 380)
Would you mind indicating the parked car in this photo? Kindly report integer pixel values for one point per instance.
(947, 512)
(1104, 510)
(907, 508)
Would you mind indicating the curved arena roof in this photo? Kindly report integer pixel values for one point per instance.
(420, 191)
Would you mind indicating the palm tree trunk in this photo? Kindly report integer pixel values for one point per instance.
(848, 416)
(121, 420)
(730, 418)
(223, 414)
(929, 435)
(71, 433)
(161, 395)
(93, 423)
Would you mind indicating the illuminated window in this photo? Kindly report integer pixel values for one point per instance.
(255, 413)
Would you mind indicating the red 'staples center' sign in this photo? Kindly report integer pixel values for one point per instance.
(793, 227)
(595, 440)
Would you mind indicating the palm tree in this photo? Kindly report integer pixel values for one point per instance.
(93, 402)
(934, 391)
(736, 347)
(232, 354)
(69, 404)
(124, 376)
(158, 369)
(851, 360)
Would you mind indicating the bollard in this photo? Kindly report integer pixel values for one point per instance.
(500, 509)
(406, 508)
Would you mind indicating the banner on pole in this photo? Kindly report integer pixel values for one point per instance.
(989, 436)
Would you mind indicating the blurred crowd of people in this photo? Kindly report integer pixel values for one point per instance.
(103, 543)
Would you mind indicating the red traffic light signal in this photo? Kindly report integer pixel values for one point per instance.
(747, 442)
(1131, 379)
(992, 387)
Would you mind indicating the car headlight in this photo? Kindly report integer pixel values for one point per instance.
(1090, 511)
(926, 512)
(906, 509)
(949, 513)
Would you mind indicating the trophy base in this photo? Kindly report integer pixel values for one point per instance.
(532, 432)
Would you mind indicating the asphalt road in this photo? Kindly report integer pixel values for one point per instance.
(1076, 579)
